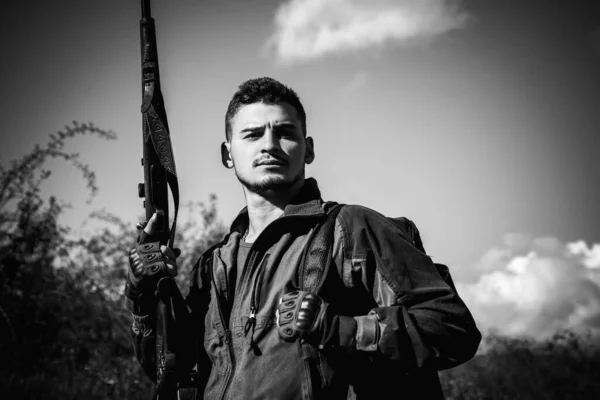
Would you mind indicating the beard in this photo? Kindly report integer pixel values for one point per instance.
(270, 184)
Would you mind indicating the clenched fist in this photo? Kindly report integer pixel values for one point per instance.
(305, 315)
(148, 262)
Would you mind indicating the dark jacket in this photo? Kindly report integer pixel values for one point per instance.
(379, 278)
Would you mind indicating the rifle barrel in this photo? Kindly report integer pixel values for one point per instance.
(146, 9)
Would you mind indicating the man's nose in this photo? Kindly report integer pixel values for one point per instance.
(270, 140)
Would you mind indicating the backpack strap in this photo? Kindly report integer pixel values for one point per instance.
(318, 253)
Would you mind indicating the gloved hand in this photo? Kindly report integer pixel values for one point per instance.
(305, 315)
(148, 262)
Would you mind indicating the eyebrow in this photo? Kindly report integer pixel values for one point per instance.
(252, 129)
(284, 124)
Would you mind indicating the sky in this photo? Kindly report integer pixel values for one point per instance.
(478, 120)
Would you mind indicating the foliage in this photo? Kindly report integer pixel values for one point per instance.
(564, 366)
(64, 327)
(196, 235)
(29, 232)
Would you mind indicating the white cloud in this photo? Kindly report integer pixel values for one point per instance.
(308, 29)
(590, 255)
(536, 287)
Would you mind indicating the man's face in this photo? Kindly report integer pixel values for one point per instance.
(267, 148)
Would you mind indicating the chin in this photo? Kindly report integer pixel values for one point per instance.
(274, 183)
(270, 183)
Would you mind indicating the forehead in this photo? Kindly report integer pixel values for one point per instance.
(260, 114)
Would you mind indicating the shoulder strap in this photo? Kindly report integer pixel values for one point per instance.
(317, 256)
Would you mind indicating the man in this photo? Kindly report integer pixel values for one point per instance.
(381, 324)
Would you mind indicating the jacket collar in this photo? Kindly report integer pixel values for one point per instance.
(306, 203)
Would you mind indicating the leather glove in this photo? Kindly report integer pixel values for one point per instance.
(148, 263)
(305, 315)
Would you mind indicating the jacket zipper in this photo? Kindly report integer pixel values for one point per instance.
(249, 261)
(255, 303)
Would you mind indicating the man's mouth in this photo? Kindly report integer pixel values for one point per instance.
(270, 161)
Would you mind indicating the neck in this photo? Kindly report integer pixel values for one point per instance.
(266, 207)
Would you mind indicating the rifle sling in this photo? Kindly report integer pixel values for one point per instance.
(161, 141)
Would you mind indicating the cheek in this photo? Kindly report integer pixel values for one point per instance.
(296, 151)
(239, 156)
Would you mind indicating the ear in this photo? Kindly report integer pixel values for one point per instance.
(226, 155)
(309, 155)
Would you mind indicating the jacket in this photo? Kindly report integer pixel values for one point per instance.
(378, 277)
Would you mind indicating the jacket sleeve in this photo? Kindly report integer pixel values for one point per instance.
(419, 320)
(186, 330)
(143, 336)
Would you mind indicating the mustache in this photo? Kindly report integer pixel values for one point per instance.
(268, 157)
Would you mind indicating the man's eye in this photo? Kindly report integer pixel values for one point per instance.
(252, 135)
(287, 133)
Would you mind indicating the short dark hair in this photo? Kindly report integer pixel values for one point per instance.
(262, 90)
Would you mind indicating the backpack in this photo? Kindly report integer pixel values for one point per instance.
(317, 256)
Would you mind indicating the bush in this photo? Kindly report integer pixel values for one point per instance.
(564, 366)
(64, 327)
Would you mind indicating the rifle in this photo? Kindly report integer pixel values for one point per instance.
(160, 175)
